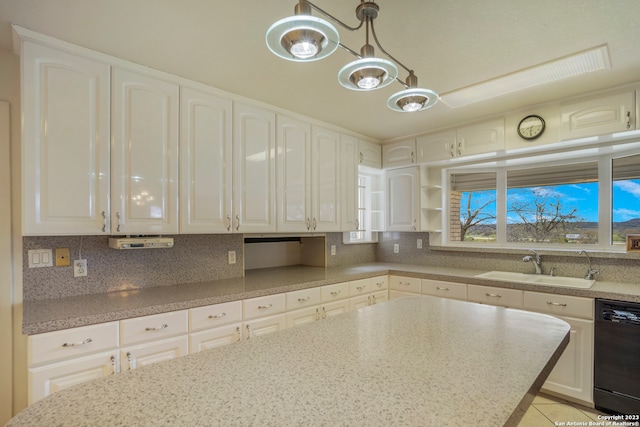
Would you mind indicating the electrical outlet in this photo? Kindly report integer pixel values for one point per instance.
(80, 268)
(396, 248)
(232, 257)
(62, 257)
(333, 249)
(419, 244)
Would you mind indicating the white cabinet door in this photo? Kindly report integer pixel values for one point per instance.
(254, 169)
(294, 174)
(144, 157)
(47, 379)
(215, 337)
(65, 143)
(153, 352)
(480, 138)
(349, 183)
(437, 146)
(402, 199)
(598, 116)
(370, 154)
(205, 162)
(573, 373)
(263, 326)
(398, 154)
(303, 316)
(325, 178)
(334, 308)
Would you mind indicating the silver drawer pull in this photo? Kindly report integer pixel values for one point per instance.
(217, 316)
(263, 307)
(380, 284)
(442, 289)
(304, 299)
(360, 288)
(335, 293)
(493, 295)
(558, 304)
(405, 283)
(77, 344)
(157, 328)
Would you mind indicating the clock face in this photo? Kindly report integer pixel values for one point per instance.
(531, 127)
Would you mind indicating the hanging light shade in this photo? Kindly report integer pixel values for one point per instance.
(412, 98)
(302, 37)
(368, 72)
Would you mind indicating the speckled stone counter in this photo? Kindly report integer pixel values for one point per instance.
(408, 362)
(62, 313)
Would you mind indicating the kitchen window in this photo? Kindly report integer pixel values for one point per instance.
(590, 202)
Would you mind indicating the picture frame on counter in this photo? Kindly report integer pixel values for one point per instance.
(633, 242)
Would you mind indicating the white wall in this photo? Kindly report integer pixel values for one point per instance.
(13, 373)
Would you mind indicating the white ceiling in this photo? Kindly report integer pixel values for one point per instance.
(449, 43)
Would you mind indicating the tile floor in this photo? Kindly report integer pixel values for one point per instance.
(546, 411)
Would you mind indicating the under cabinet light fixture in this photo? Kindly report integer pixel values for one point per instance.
(304, 38)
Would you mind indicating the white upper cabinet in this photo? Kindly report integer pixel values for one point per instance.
(349, 160)
(65, 143)
(398, 154)
(402, 199)
(370, 154)
(325, 178)
(254, 169)
(598, 116)
(205, 162)
(144, 157)
(294, 175)
(479, 138)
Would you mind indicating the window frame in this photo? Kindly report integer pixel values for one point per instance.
(603, 156)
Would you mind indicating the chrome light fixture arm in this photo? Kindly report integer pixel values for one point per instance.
(328, 15)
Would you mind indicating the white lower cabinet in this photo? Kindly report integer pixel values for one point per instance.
(60, 359)
(140, 355)
(400, 287)
(495, 296)
(572, 377)
(215, 337)
(263, 326)
(215, 325)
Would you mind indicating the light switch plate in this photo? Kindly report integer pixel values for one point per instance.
(40, 258)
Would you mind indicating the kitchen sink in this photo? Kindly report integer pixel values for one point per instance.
(537, 279)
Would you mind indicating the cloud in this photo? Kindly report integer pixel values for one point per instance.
(625, 214)
(631, 187)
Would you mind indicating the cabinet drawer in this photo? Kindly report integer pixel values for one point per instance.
(438, 288)
(359, 287)
(561, 305)
(263, 306)
(157, 326)
(335, 292)
(405, 284)
(379, 283)
(212, 316)
(495, 296)
(72, 342)
(303, 298)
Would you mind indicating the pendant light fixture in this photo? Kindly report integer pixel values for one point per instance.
(304, 38)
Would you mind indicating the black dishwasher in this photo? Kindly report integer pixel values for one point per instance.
(617, 357)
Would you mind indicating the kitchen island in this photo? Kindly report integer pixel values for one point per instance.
(409, 362)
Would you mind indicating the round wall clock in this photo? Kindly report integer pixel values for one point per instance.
(531, 127)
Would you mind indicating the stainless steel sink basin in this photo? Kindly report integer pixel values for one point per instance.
(537, 279)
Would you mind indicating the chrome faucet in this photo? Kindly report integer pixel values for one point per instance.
(590, 271)
(537, 263)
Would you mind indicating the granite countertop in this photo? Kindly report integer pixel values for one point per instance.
(63, 313)
(411, 361)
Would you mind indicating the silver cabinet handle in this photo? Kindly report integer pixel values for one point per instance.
(369, 299)
(217, 316)
(113, 364)
(77, 344)
(628, 119)
(442, 289)
(264, 307)
(119, 224)
(373, 299)
(317, 314)
(379, 284)
(249, 332)
(104, 221)
(451, 152)
(413, 157)
(324, 313)
(157, 328)
(308, 224)
(132, 361)
(359, 288)
(237, 222)
(315, 224)
(361, 157)
(557, 304)
(335, 293)
(357, 224)
(228, 223)
(459, 148)
(493, 295)
(414, 225)
(404, 283)
(304, 299)
(239, 334)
